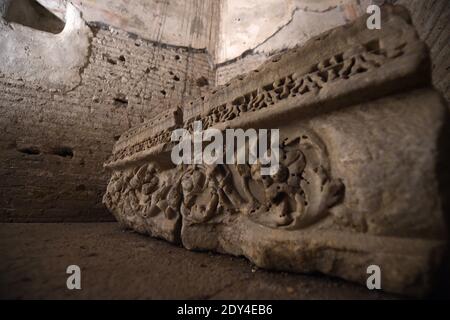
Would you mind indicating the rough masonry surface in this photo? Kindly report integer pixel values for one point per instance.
(359, 181)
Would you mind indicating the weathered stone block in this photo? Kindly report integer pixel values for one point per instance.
(359, 182)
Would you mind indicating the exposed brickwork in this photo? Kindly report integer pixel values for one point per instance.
(53, 144)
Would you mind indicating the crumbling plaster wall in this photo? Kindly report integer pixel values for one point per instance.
(55, 138)
(32, 14)
(271, 25)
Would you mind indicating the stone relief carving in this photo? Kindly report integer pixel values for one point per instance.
(301, 191)
(141, 193)
(356, 183)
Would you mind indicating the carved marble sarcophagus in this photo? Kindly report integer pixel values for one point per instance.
(359, 181)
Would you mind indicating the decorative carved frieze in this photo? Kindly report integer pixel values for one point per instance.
(356, 183)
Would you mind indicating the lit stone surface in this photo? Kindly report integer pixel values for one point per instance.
(360, 180)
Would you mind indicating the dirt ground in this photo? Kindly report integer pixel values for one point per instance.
(117, 264)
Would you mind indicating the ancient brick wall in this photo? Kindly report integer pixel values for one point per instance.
(53, 143)
(432, 22)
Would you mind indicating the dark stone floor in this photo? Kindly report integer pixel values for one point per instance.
(118, 264)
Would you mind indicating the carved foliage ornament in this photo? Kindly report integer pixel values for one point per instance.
(297, 195)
